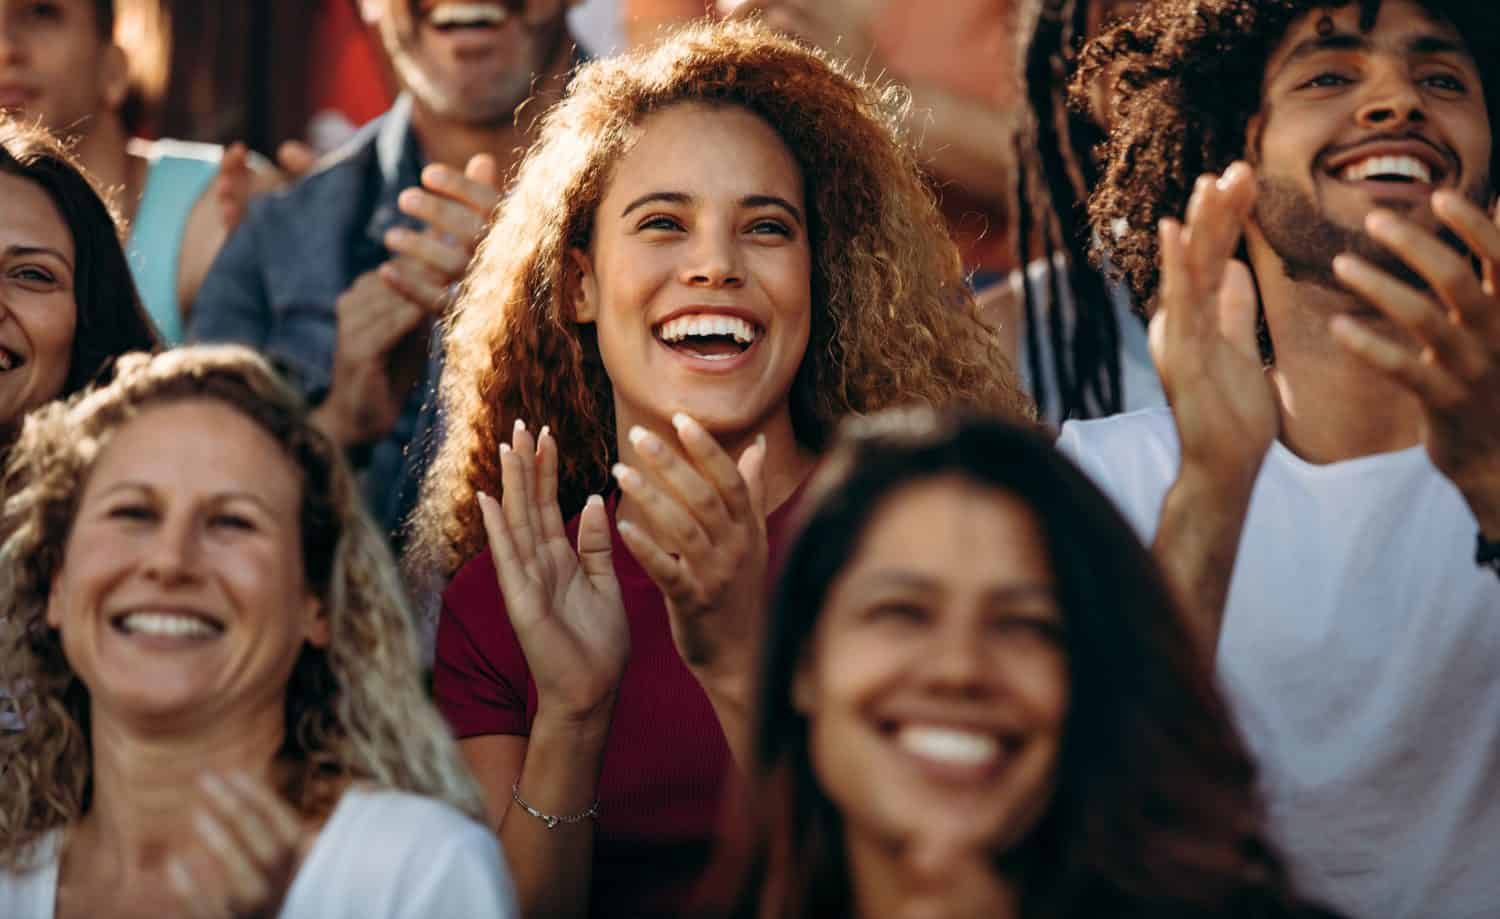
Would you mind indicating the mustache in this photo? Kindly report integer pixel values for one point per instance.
(1448, 154)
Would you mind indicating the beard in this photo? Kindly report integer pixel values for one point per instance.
(1306, 239)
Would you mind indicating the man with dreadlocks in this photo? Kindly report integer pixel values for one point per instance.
(1327, 326)
(1081, 350)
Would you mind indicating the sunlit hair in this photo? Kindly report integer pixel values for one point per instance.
(1190, 77)
(1154, 811)
(355, 710)
(892, 319)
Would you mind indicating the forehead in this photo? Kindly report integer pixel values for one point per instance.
(199, 446)
(30, 217)
(708, 150)
(1399, 26)
(953, 530)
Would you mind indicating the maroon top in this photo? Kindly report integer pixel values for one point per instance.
(666, 763)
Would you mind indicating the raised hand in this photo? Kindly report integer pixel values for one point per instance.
(1454, 366)
(1203, 332)
(455, 206)
(701, 536)
(251, 843)
(565, 606)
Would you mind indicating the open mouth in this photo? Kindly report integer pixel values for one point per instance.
(709, 336)
(170, 625)
(958, 749)
(453, 17)
(1415, 165)
(10, 360)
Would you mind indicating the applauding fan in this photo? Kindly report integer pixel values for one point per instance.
(715, 249)
(1333, 445)
(218, 684)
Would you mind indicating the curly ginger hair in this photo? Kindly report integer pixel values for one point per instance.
(1188, 75)
(893, 320)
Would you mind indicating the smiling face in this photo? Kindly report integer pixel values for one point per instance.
(54, 64)
(38, 313)
(182, 599)
(936, 683)
(1354, 120)
(473, 62)
(698, 276)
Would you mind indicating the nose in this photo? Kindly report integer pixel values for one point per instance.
(956, 664)
(172, 555)
(1393, 101)
(713, 261)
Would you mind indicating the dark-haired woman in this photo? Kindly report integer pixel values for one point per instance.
(971, 654)
(67, 303)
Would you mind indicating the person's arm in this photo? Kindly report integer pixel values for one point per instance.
(565, 609)
(1203, 340)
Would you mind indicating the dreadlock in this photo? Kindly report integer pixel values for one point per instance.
(1056, 172)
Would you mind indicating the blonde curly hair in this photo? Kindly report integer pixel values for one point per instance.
(354, 710)
(893, 320)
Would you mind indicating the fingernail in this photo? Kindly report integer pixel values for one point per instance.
(681, 422)
(1377, 221)
(480, 497)
(519, 426)
(1342, 262)
(504, 448)
(546, 430)
(211, 782)
(625, 475)
(760, 441)
(643, 440)
(594, 501)
(397, 234)
(625, 527)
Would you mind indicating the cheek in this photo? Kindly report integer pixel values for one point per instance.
(50, 327)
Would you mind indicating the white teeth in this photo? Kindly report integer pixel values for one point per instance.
(949, 745)
(701, 326)
(168, 624)
(1407, 166)
(468, 14)
(5, 360)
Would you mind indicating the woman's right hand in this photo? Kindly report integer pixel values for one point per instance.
(565, 606)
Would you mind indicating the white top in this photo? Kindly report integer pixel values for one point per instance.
(381, 855)
(1360, 652)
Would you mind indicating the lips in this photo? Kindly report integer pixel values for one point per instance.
(1396, 162)
(454, 16)
(168, 624)
(10, 360)
(713, 335)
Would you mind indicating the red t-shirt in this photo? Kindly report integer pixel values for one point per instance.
(666, 764)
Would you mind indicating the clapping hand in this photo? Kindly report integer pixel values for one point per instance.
(455, 207)
(251, 843)
(1454, 366)
(564, 605)
(1203, 332)
(701, 536)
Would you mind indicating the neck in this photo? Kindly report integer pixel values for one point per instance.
(103, 148)
(1333, 406)
(453, 143)
(787, 462)
(884, 884)
(145, 789)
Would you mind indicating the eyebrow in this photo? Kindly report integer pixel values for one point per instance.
(682, 198)
(132, 485)
(1426, 44)
(1027, 590)
(40, 250)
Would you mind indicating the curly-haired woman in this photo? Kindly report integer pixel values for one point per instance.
(216, 680)
(715, 249)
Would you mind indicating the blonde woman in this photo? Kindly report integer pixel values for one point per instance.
(215, 677)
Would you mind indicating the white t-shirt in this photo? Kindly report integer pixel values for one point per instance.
(1360, 652)
(381, 855)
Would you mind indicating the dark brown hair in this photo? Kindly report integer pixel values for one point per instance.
(1189, 76)
(1155, 811)
(111, 320)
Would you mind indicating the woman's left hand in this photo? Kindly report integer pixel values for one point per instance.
(251, 844)
(701, 536)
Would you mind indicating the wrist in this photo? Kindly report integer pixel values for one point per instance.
(1218, 481)
(582, 730)
(328, 419)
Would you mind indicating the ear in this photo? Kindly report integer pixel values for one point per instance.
(585, 290)
(318, 629)
(114, 77)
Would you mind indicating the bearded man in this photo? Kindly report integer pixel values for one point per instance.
(339, 279)
(1325, 488)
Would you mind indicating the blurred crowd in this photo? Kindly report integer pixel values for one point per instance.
(754, 458)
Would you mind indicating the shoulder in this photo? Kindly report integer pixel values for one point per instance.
(30, 889)
(384, 815)
(1141, 436)
(332, 186)
(473, 586)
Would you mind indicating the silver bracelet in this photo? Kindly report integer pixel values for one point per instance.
(550, 820)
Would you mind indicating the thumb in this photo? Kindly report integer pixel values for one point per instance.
(483, 168)
(295, 158)
(752, 466)
(595, 544)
